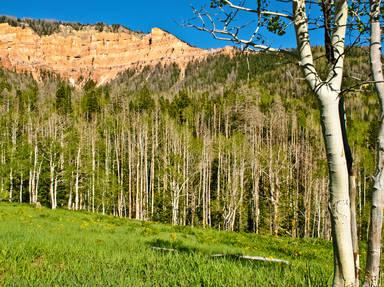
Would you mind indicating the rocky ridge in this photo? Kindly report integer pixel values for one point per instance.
(89, 53)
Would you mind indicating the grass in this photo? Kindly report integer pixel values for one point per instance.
(40, 247)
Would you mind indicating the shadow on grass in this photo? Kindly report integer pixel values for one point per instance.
(171, 246)
(177, 246)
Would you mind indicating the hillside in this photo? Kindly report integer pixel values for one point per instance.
(225, 147)
(39, 247)
(79, 52)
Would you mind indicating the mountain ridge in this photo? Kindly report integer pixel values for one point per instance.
(98, 52)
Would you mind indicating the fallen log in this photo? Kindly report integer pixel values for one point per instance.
(164, 249)
(246, 257)
(253, 258)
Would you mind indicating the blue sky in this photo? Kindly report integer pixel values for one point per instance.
(137, 15)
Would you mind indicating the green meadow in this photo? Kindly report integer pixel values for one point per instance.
(41, 247)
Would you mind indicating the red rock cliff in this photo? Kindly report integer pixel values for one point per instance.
(89, 53)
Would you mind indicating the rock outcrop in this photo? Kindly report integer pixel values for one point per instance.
(88, 53)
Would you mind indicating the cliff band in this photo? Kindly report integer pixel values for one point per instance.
(88, 53)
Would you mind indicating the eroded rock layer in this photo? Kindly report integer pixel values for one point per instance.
(88, 53)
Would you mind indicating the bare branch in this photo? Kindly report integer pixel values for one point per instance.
(227, 33)
(338, 38)
(304, 46)
(257, 11)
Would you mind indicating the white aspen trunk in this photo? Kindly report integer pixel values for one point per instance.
(35, 176)
(233, 183)
(11, 185)
(328, 95)
(21, 188)
(352, 191)
(203, 189)
(165, 164)
(137, 209)
(61, 164)
(372, 272)
(273, 186)
(209, 191)
(118, 169)
(155, 145)
(339, 204)
(70, 193)
(77, 179)
(30, 186)
(319, 200)
(185, 175)
(55, 191)
(93, 171)
(296, 196)
(219, 179)
(146, 188)
(37, 182)
(242, 188)
(255, 196)
(152, 175)
(234, 191)
(106, 181)
(175, 202)
(13, 150)
(355, 239)
(122, 195)
(52, 181)
(3, 164)
(206, 185)
(255, 166)
(142, 174)
(130, 177)
(228, 198)
(307, 197)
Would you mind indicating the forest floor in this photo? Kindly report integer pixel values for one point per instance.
(41, 247)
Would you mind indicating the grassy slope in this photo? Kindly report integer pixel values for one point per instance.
(40, 247)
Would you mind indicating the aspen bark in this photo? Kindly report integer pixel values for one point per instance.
(77, 179)
(328, 95)
(372, 272)
(70, 207)
(339, 204)
(21, 188)
(52, 180)
(11, 185)
(93, 147)
(355, 239)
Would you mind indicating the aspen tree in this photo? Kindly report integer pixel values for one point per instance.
(327, 92)
(372, 272)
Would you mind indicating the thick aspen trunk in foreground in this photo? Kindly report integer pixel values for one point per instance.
(328, 93)
(372, 272)
(352, 191)
(339, 204)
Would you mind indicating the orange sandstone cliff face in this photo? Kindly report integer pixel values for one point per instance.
(88, 53)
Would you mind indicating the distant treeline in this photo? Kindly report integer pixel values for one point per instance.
(49, 27)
